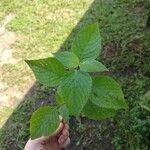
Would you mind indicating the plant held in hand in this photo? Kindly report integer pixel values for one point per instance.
(77, 92)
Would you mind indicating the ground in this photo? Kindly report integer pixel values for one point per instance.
(34, 29)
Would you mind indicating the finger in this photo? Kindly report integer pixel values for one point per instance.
(56, 133)
(62, 138)
(66, 126)
(67, 142)
(65, 132)
(59, 129)
(40, 140)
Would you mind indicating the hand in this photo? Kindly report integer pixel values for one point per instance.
(59, 140)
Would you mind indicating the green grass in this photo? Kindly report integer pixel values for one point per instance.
(43, 27)
(44, 24)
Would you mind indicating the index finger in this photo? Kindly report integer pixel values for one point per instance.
(59, 129)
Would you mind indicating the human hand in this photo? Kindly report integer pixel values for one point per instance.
(60, 139)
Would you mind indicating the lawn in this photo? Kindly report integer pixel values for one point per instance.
(45, 26)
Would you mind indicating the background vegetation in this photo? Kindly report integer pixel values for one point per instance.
(43, 26)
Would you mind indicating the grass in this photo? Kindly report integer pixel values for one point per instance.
(44, 25)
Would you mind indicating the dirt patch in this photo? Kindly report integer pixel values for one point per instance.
(126, 57)
(93, 135)
(6, 39)
(111, 49)
(135, 45)
(7, 19)
(10, 97)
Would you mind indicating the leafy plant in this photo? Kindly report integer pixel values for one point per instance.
(145, 101)
(78, 93)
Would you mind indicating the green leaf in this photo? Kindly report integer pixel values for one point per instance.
(145, 104)
(44, 122)
(107, 93)
(68, 59)
(87, 44)
(59, 99)
(145, 101)
(105, 99)
(92, 66)
(63, 111)
(75, 90)
(95, 112)
(47, 71)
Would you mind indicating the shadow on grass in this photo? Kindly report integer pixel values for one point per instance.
(15, 132)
